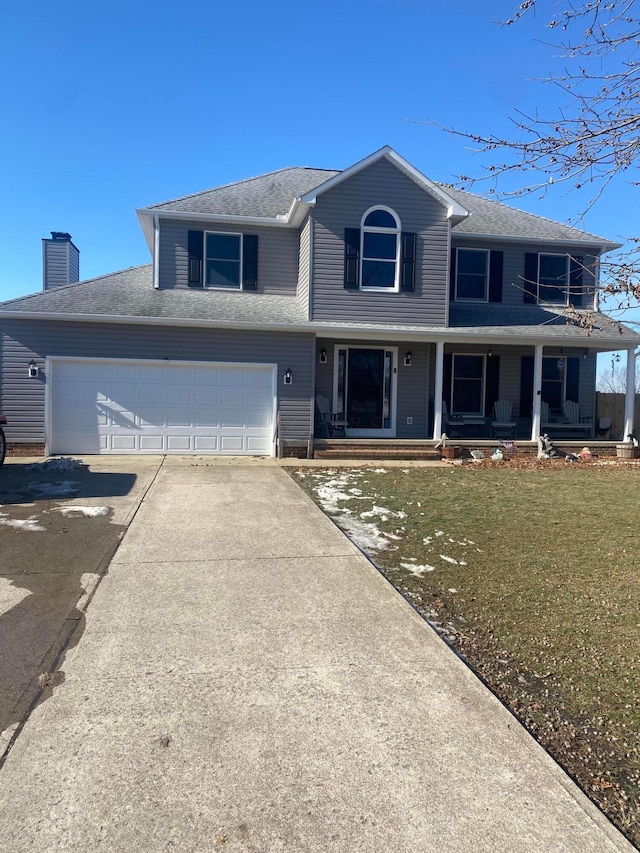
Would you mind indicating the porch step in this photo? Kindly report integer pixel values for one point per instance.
(428, 454)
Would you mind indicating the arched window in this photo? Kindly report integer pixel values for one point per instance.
(380, 249)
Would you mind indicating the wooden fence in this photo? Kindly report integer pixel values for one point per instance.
(612, 406)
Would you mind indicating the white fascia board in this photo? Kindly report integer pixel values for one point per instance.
(399, 333)
(147, 224)
(454, 210)
(597, 245)
(149, 213)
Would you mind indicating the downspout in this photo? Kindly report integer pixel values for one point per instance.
(156, 252)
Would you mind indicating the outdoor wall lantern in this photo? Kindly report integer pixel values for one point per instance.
(585, 353)
(490, 353)
(323, 356)
(288, 376)
(33, 369)
(407, 358)
(560, 364)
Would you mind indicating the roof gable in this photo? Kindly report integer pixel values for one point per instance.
(455, 210)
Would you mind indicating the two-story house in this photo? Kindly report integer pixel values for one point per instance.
(409, 306)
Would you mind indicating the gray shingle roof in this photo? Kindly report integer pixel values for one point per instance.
(494, 218)
(265, 195)
(130, 293)
(271, 195)
(534, 320)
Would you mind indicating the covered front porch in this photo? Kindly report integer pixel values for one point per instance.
(470, 390)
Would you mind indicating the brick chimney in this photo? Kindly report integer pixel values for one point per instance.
(60, 260)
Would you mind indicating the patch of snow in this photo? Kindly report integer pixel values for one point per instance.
(30, 525)
(64, 463)
(379, 470)
(448, 559)
(365, 536)
(383, 512)
(439, 532)
(462, 563)
(417, 570)
(54, 490)
(355, 491)
(427, 539)
(87, 511)
(452, 590)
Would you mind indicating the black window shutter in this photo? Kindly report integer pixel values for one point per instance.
(196, 255)
(492, 391)
(452, 274)
(351, 258)
(526, 386)
(447, 372)
(575, 280)
(408, 268)
(250, 262)
(496, 264)
(530, 283)
(572, 390)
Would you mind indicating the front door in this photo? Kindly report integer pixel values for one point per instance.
(365, 389)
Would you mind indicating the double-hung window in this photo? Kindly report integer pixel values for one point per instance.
(223, 260)
(553, 278)
(467, 387)
(380, 250)
(472, 274)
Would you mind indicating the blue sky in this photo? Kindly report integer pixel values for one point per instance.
(111, 107)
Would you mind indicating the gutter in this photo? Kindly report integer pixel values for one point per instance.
(599, 245)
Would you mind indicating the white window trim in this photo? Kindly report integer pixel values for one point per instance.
(479, 414)
(486, 280)
(240, 236)
(388, 432)
(567, 257)
(376, 230)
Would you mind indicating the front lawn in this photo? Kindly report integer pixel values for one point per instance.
(534, 577)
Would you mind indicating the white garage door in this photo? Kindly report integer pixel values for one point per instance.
(118, 406)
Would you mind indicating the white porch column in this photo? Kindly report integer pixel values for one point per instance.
(437, 398)
(630, 395)
(537, 391)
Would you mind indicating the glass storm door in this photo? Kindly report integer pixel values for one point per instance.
(365, 380)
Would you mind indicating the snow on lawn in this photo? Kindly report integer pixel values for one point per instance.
(60, 489)
(87, 511)
(417, 570)
(64, 463)
(366, 536)
(383, 512)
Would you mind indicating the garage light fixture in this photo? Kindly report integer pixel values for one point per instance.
(33, 369)
(323, 356)
(288, 376)
(407, 358)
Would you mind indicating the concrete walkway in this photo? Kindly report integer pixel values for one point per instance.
(248, 682)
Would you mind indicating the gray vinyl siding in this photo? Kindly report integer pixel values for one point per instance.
(277, 254)
(411, 382)
(23, 399)
(342, 207)
(513, 269)
(304, 264)
(60, 263)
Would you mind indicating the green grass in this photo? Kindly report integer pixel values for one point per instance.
(547, 607)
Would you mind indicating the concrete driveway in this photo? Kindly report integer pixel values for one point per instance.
(247, 681)
(59, 527)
